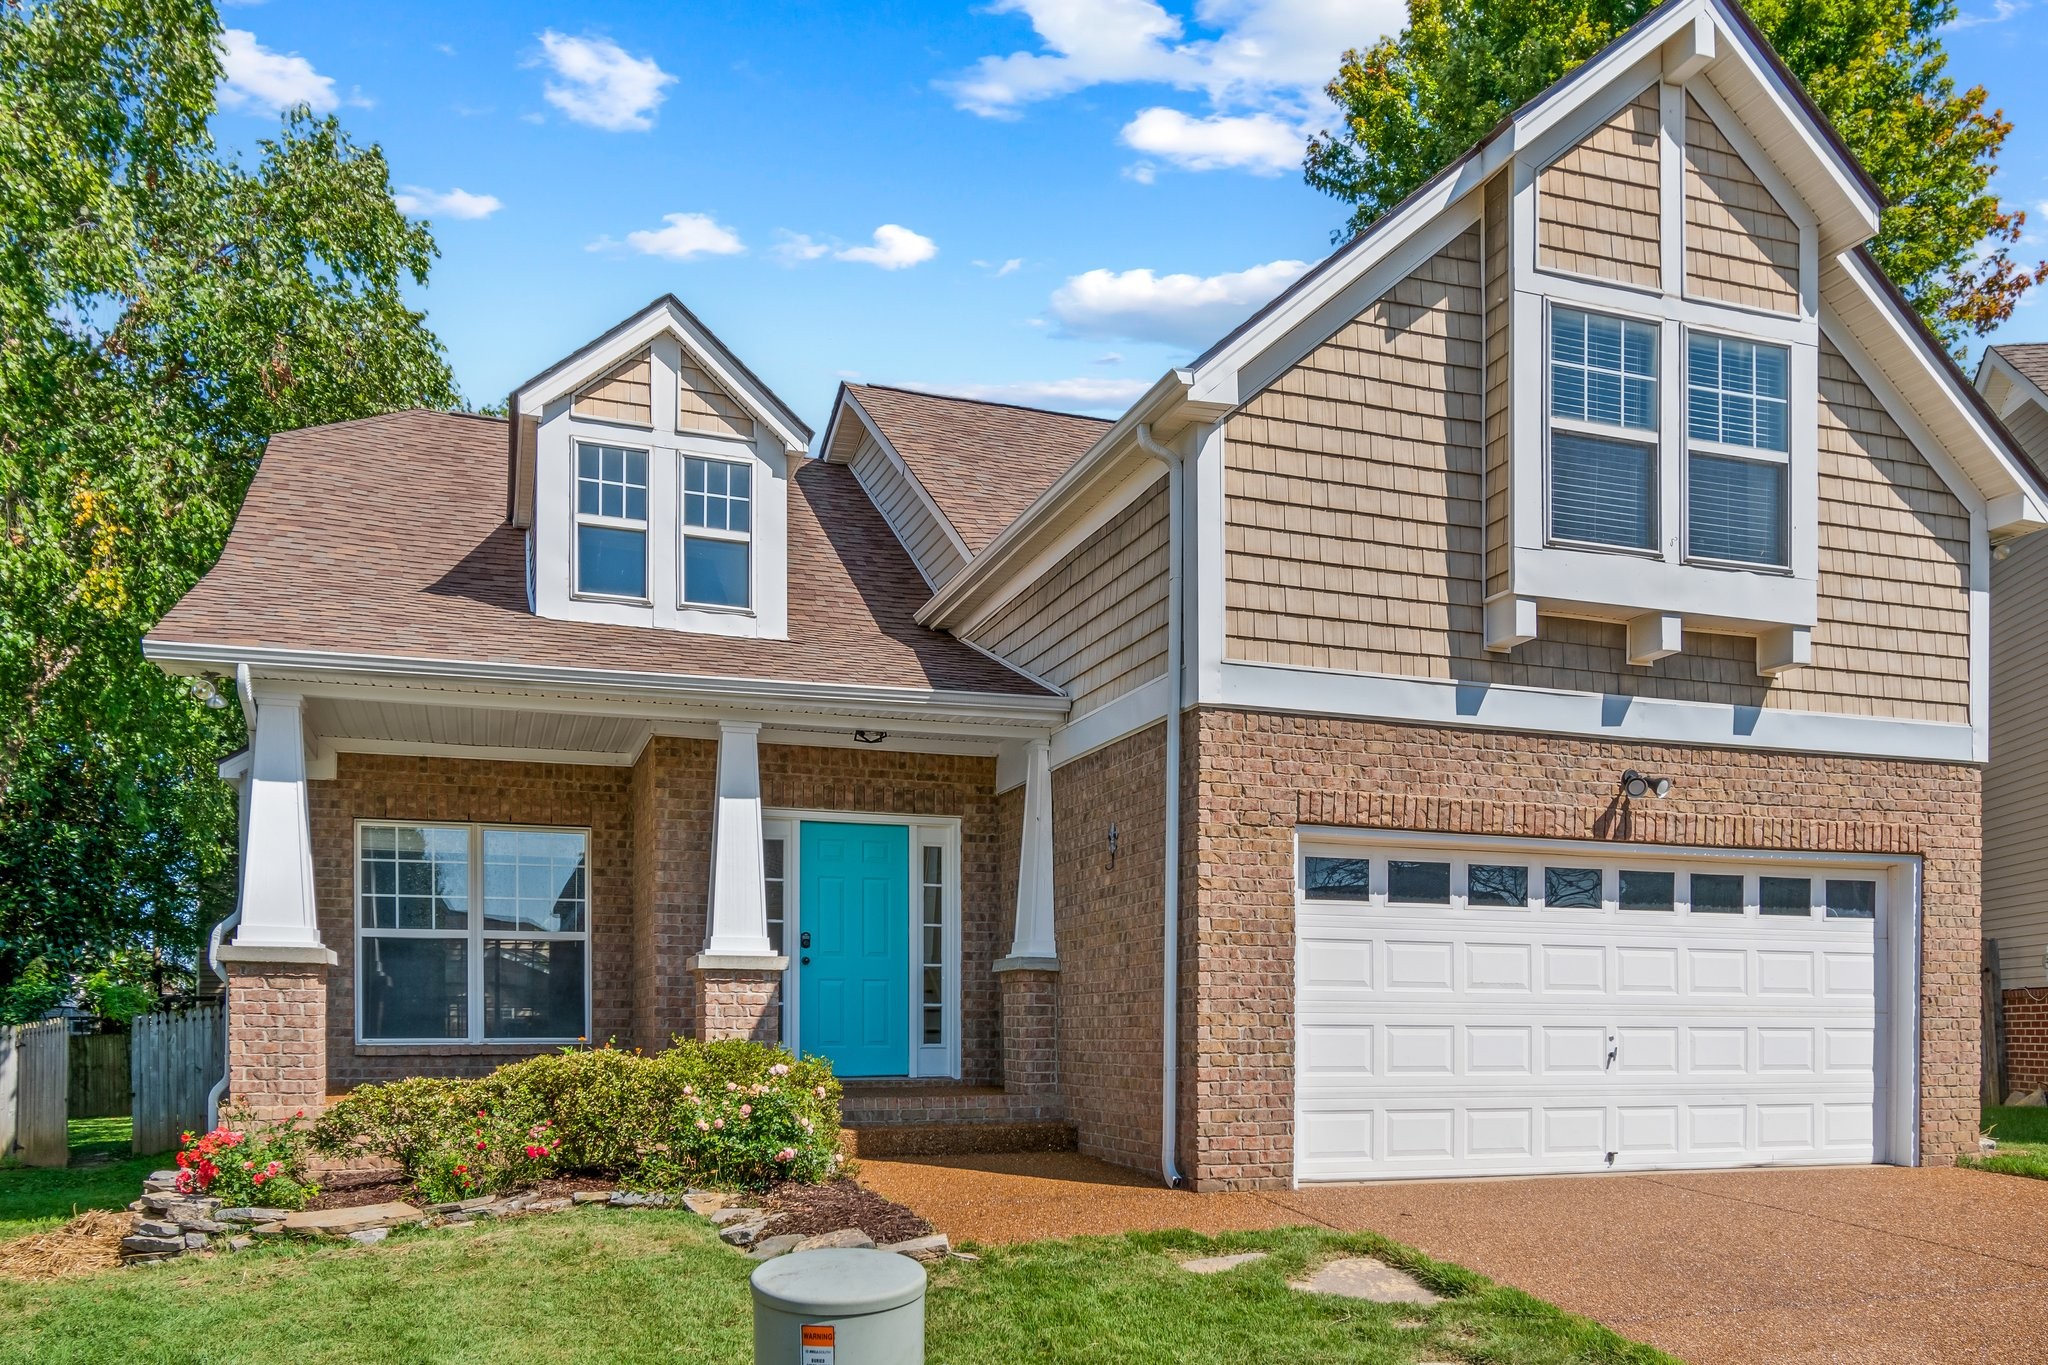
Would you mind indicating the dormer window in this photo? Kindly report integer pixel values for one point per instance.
(718, 524)
(1738, 450)
(611, 521)
(1603, 430)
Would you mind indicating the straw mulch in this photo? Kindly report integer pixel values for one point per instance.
(89, 1242)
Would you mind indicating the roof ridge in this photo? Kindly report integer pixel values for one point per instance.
(984, 402)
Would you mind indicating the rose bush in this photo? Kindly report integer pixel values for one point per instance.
(248, 1163)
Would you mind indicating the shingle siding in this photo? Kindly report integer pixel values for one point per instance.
(1598, 206)
(1741, 246)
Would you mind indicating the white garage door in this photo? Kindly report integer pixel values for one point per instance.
(1473, 1010)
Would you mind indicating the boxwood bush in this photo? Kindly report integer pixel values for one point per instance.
(730, 1114)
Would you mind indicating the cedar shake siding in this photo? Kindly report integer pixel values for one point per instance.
(1598, 205)
(1095, 625)
(624, 395)
(1262, 776)
(1741, 247)
(1353, 525)
(701, 405)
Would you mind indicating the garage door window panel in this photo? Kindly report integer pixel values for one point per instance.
(1641, 890)
(1851, 898)
(1418, 883)
(1785, 896)
(1501, 886)
(1715, 893)
(1573, 888)
(1338, 879)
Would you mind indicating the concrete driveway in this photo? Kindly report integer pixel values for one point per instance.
(1862, 1264)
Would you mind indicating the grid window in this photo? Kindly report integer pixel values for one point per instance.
(471, 934)
(1737, 399)
(1603, 370)
(718, 524)
(933, 943)
(1603, 386)
(611, 520)
(1736, 393)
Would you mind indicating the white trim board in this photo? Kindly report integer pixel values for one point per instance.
(1137, 709)
(1588, 715)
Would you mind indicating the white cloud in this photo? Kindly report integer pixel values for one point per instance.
(895, 248)
(1010, 267)
(686, 235)
(1179, 310)
(253, 77)
(1264, 144)
(2001, 10)
(793, 247)
(1109, 358)
(1144, 172)
(1087, 394)
(454, 203)
(601, 84)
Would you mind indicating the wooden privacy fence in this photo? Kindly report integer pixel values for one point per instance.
(99, 1075)
(40, 1064)
(175, 1056)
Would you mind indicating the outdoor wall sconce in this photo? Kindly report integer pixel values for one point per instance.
(1112, 843)
(1635, 784)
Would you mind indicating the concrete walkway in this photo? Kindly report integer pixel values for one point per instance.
(1865, 1264)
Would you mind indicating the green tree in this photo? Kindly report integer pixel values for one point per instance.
(1876, 68)
(165, 307)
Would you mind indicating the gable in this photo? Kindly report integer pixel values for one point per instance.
(1598, 205)
(624, 395)
(1741, 246)
(703, 405)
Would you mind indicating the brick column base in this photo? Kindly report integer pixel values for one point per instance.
(277, 1029)
(1030, 1028)
(737, 1001)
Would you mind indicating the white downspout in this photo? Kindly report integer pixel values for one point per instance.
(246, 695)
(1169, 1079)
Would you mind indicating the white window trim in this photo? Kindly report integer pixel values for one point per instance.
(474, 934)
(578, 519)
(684, 531)
(923, 1061)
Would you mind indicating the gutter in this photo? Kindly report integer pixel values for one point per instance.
(1169, 1068)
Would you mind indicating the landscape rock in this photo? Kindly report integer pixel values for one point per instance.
(156, 1201)
(252, 1215)
(545, 1205)
(369, 1237)
(844, 1239)
(341, 1222)
(272, 1229)
(154, 1227)
(768, 1248)
(628, 1199)
(1361, 1277)
(2032, 1099)
(1987, 1144)
(590, 1196)
(722, 1217)
(704, 1203)
(240, 1243)
(195, 1241)
(742, 1234)
(933, 1248)
(153, 1246)
(157, 1182)
(205, 1225)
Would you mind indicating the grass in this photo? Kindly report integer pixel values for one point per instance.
(36, 1200)
(2022, 1135)
(613, 1285)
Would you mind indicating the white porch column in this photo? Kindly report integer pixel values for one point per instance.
(277, 863)
(739, 906)
(1032, 944)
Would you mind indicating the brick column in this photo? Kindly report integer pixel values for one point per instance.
(737, 1002)
(1030, 1030)
(277, 1029)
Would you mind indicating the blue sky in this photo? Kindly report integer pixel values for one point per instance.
(1046, 201)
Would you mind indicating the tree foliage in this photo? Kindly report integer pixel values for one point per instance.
(1876, 68)
(165, 307)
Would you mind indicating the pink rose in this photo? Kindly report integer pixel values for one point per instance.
(718, 1123)
(786, 1154)
(746, 1110)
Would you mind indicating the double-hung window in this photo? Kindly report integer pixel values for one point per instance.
(611, 521)
(472, 933)
(1738, 428)
(718, 527)
(1603, 430)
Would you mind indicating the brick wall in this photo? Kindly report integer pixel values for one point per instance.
(672, 791)
(280, 1021)
(384, 787)
(1262, 775)
(2026, 1039)
(1107, 918)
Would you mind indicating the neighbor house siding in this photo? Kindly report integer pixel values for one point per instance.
(1741, 246)
(2029, 426)
(1598, 206)
(902, 504)
(1353, 523)
(1262, 777)
(624, 395)
(1095, 625)
(2016, 783)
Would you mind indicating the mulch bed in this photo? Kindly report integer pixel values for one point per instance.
(811, 1209)
(358, 1191)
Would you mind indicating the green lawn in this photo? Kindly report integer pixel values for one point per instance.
(2022, 1141)
(611, 1285)
(34, 1200)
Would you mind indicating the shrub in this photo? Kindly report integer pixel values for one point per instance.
(247, 1163)
(727, 1113)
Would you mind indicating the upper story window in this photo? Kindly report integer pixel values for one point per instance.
(718, 526)
(1738, 450)
(1603, 430)
(611, 521)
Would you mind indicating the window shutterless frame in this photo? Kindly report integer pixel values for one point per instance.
(1650, 436)
(474, 934)
(603, 520)
(727, 505)
(1725, 450)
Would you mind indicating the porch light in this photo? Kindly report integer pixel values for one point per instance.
(870, 736)
(204, 691)
(1635, 784)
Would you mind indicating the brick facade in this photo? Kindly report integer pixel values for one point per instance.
(277, 1057)
(1260, 776)
(1030, 1031)
(2026, 1039)
(736, 1003)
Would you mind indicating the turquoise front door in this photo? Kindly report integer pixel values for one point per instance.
(853, 993)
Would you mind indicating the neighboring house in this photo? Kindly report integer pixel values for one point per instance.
(2014, 381)
(1515, 704)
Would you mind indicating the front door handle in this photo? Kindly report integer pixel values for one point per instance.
(804, 961)
(803, 940)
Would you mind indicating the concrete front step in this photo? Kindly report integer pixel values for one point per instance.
(955, 1139)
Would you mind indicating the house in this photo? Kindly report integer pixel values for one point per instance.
(2014, 382)
(1516, 704)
